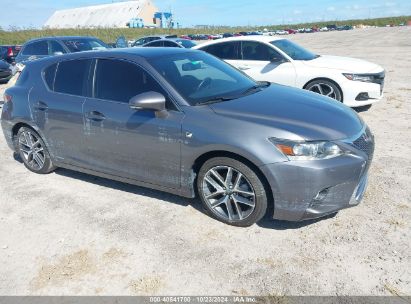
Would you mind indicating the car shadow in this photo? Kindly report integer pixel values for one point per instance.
(270, 223)
(267, 222)
(133, 189)
(362, 109)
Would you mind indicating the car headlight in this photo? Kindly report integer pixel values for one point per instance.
(296, 150)
(359, 77)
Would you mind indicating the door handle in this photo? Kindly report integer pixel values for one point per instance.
(95, 116)
(41, 106)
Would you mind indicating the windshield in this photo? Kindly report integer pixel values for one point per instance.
(188, 44)
(84, 44)
(201, 78)
(294, 50)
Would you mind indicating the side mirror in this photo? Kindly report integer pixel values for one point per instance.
(148, 101)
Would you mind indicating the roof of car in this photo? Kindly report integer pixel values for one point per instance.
(146, 53)
(260, 38)
(61, 38)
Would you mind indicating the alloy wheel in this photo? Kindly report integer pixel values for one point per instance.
(324, 89)
(32, 150)
(228, 193)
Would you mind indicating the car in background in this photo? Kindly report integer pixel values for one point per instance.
(228, 35)
(188, 37)
(353, 82)
(176, 42)
(54, 46)
(6, 71)
(281, 32)
(9, 53)
(147, 39)
(291, 31)
(185, 122)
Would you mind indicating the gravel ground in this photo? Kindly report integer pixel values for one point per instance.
(74, 234)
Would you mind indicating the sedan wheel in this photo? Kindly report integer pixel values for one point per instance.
(33, 151)
(326, 88)
(232, 192)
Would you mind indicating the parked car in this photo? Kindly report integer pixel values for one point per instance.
(53, 46)
(291, 31)
(176, 42)
(147, 39)
(186, 37)
(281, 32)
(6, 71)
(228, 35)
(352, 81)
(185, 122)
(8, 53)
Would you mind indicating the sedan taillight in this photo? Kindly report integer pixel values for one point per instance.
(10, 52)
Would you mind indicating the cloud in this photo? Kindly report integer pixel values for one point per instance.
(331, 8)
(297, 12)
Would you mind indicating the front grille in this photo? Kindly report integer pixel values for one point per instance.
(365, 143)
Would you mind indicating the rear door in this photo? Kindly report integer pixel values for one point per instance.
(137, 144)
(58, 109)
(228, 51)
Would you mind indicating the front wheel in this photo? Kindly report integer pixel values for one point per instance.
(232, 192)
(326, 88)
(33, 151)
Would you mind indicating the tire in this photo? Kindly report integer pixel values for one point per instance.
(33, 151)
(240, 200)
(326, 88)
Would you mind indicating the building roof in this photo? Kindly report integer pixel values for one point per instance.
(105, 15)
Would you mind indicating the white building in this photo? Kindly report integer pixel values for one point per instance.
(113, 15)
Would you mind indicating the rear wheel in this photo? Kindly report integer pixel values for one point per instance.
(33, 151)
(326, 88)
(232, 192)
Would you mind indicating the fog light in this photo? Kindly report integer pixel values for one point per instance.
(362, 97)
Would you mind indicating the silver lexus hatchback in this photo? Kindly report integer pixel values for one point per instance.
(185, 122)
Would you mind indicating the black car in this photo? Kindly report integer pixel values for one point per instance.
(9, 52)
(5, 72)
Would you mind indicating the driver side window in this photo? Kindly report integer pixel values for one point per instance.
(252, 50)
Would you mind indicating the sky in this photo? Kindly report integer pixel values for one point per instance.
(34, 13)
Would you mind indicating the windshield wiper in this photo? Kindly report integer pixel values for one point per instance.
(259, 85)
(215, 100)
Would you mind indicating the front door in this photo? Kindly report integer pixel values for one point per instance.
(137, 144)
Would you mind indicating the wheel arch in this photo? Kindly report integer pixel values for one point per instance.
(200, 161)
(327, 79)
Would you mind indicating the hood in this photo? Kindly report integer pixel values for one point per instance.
(351, 65)
(304, 114)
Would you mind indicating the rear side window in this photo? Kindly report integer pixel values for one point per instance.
(71, 77)
(170, 44)
(49, 75)
(227, 50)
(118, 80)
(37, 48)
(258, 51)
(155, 44)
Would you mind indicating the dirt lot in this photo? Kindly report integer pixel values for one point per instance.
(70, 233)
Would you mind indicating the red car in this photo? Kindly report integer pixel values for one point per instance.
(291, 31)
(185, 37)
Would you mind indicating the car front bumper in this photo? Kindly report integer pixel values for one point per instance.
(358, 93)
(305, 190)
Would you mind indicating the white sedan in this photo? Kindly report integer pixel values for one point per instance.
(352, 81)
